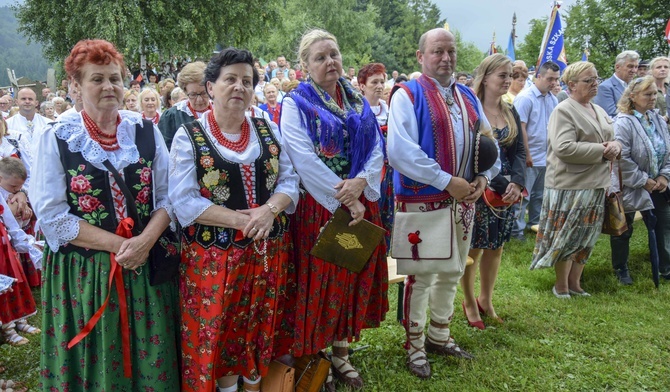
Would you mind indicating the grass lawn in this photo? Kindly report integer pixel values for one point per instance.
(617, 340)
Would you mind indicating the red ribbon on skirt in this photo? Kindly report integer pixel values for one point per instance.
(124, 229)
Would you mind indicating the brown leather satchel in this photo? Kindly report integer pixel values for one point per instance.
(614, 222)
(312, 371)
(280, 378)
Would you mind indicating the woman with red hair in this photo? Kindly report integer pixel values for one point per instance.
(371, 78)
(106, 328)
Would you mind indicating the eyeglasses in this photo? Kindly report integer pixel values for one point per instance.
(590, 80)
(195, 96)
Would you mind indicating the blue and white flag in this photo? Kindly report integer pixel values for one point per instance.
(553, 48)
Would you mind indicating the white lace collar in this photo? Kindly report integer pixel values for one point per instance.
(70, 128)
(183, 106)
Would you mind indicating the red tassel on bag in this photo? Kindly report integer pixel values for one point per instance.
(414, 239)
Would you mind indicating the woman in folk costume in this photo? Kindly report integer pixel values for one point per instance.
(230, 181)
(335, 145)
(371, 79)
(19, 304)
(105, 327)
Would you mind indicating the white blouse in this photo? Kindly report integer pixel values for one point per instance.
(184, 190)
(48, 192)
(316, 177)
(381, 111)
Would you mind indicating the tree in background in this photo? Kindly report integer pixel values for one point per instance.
(529, 49)
(615, 26)
(469, 56)
(136, 27)
(353, 26)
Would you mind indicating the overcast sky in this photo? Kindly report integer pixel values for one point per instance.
(477, 19)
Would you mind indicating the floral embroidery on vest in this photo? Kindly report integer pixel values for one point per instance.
(143, 188)
(85, 197)
(217, 175)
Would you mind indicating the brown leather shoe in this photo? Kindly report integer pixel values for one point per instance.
(342, 353)
(421, 371)
(450, 348)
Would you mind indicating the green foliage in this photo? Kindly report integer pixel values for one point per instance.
(25, 60)
(529, 49)
(168, 27)
(353, 27)
(615, 26)
(469, 56)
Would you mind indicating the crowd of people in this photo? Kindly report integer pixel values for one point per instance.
(248, 162)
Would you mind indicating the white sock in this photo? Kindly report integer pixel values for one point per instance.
(232, 388)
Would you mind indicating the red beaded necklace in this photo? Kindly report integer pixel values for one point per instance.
(154, 120)
(196, 112)
(98, 135)
(237, 146)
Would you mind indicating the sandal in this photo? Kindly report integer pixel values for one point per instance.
(12, 386)
(23, 326)
(12, 338)
(420, 370)
(330, 381)
(342, 354)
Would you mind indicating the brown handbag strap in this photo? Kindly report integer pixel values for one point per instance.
(618, 165)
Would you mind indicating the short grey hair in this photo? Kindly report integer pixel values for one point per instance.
(626, 55)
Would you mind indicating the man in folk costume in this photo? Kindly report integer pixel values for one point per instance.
(431, 137)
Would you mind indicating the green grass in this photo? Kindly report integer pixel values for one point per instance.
(617, 340)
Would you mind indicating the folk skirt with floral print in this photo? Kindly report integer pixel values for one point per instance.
(570, 224)
(334, 303)
(73, 289)
(236, 315)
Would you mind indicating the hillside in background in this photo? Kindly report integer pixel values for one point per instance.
(26, 60)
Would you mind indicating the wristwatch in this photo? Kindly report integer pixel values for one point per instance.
(273, 208)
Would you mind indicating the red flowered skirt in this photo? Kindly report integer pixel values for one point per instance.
(334, 303)
(234, 311)
(18, 303)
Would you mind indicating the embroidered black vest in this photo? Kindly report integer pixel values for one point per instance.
(89, 193)
(221, 181)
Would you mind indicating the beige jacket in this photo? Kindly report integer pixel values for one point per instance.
(575, 147)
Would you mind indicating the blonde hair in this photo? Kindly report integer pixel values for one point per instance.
(191, 73)
(486, 68)
(310, 37)
(146, 92)
(128, 94)
(658, 60)
(572, 72)
(625, 104)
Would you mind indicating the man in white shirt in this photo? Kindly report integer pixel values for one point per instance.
(430, 124)
(26, 126)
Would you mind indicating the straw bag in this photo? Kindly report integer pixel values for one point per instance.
(614, 222)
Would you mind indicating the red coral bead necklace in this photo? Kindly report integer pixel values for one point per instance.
(237, 146)
(107, 141)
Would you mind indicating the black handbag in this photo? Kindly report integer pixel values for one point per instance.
(165, 255)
